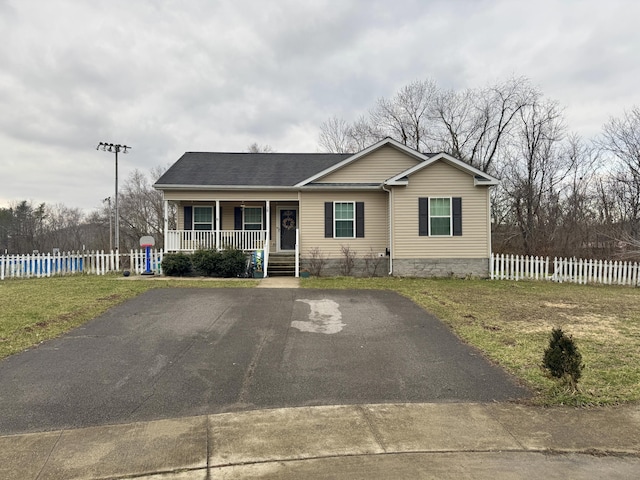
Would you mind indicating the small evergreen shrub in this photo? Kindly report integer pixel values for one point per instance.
(209, 263)
(562, 358)
(177, 264)
(232, 263)
(206, 262)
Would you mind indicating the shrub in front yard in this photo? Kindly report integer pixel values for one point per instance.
(177, 264)
(562, 358)
(232, 263)
(206, 262)
(227, 263)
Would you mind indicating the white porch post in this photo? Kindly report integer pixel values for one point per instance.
(267, 236)
(217, 225)
(166, 223)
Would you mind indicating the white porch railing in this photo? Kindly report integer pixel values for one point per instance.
(191, 240)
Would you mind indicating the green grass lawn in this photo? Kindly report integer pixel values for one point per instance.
(509, 321)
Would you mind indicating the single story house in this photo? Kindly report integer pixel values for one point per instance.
(408, 213)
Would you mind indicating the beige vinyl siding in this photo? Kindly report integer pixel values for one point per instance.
(376, 167)
(224, 195)
(441, 180)
(180, 212)
(311, 221)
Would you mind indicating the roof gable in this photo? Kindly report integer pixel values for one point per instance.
(479, 177)
(417, 156)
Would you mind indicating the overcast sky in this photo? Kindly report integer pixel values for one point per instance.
(169, 76)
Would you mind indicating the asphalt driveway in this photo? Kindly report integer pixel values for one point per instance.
(178, 352)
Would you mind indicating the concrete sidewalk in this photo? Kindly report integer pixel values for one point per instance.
(399, 441)
(279, 282)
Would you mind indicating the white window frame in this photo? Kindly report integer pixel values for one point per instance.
(244, 222)
(450, 234)
(193, 219)
(335, 220)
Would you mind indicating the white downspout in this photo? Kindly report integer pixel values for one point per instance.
(390, 230)
(490, 228)
(297, 250)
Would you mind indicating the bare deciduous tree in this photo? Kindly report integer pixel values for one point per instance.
(535, 170)
(406, 116)
(621, 138)
(335, 136)
(473, 125)
(255, 148)
(141, 210)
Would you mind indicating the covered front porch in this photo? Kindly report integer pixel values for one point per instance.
(270, 226)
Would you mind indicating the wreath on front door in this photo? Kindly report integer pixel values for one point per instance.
(288, 222)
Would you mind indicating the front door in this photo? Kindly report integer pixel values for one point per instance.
(288, 225)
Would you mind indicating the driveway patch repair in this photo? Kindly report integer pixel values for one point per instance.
(325, 317)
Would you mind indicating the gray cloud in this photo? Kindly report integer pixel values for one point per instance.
(169, 76)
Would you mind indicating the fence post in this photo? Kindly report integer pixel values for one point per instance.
(491, 266)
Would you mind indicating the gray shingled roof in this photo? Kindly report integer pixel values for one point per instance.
(251, 169)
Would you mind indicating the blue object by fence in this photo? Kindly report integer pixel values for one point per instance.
(43, 266)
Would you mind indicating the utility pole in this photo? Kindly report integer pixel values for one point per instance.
(115, 148)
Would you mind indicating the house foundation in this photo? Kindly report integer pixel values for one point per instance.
(441, 267)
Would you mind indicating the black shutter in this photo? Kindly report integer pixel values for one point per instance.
(423, 217)
(328, 219)
(237, 218)
(359, 219)
(188, 218)
(457, 216)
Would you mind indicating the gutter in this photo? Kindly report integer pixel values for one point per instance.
(308, 188)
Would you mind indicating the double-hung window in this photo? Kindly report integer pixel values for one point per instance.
(252, 218)
(440, 216)
(203, 218)
(344, 219)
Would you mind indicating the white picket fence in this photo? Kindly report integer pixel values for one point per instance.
(571, 270)
(95, 263)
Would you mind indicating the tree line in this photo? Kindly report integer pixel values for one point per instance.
(560, 194)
